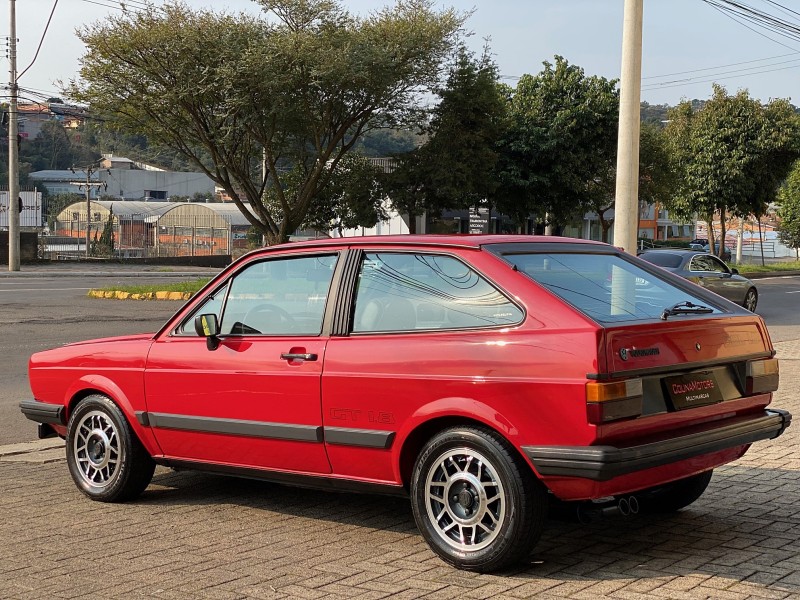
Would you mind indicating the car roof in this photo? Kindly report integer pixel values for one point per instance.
(674, 251)
(461, 240)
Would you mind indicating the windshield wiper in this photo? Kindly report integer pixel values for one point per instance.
(685, 308)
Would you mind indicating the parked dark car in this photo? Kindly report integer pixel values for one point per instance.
(708, 271)
(702, 244)
(481, 376)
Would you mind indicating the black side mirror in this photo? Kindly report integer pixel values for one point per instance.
(734, 271)
(207, 326)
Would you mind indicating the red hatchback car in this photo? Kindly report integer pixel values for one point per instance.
(484, 376)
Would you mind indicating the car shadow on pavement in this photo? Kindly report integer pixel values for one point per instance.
(743, 533)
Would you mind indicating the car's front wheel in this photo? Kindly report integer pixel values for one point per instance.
(105, 458)
(475, 502)
(751, 300)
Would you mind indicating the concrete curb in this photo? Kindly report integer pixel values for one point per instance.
(768, 274)
(120, 295)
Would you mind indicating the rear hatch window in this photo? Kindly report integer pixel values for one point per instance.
(662, 259)
(608, 288)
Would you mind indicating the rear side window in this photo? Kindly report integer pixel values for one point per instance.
(707, 263)
(605, 287)
(412, 292)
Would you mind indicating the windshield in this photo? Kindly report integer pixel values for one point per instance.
(604, 287)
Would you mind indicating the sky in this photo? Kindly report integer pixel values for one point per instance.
(687, 44)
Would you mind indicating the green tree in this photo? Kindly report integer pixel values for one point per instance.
(406, 187)
(353, 198)
(295, 91)
(105, 245)
(789, 210)
(560, 143)
(732, 155)
(459, 159)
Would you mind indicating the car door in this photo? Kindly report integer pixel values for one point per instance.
(417, 335)
(714, 275)
(254, 400)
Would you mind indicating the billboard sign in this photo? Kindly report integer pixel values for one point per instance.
(31, 214)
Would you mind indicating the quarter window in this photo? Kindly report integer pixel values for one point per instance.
(411, 292)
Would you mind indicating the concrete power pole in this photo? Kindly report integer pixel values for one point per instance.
(626, 208)
(13, 148)
(89, 185)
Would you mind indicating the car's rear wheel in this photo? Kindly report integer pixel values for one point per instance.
(475, 502)
(105, 458)
(674, 496)
(751, 300)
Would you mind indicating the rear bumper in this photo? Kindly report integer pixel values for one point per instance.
(41, 412)
(602, 463)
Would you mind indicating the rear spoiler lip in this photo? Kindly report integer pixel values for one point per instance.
(688, 366)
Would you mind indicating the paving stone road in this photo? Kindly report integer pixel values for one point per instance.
(193, 535)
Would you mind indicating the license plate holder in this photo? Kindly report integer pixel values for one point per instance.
(691, 390)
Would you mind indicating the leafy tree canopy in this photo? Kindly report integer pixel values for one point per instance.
(789, 210)
(460, 156)
(732, 154)
(296, 89)
(561, 137)
(353, 197)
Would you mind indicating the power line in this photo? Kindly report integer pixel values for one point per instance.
(41, 41)
(122, 5)
(736, 64)
(668, 85)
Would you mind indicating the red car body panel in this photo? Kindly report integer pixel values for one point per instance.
(527, 381)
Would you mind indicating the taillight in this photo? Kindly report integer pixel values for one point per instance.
(762, 376)
(611, 401)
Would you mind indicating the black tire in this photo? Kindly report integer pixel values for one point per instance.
(751, 299)
(106, 460)
(674, 496)
(476, 503)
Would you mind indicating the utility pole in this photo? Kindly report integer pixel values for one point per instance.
(626, 209)
(13, 148)
(88, 184)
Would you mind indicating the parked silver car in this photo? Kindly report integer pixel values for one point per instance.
(708, 271)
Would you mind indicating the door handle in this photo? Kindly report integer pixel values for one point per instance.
(298, 356)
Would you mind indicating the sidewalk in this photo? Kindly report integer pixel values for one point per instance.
(199, 536)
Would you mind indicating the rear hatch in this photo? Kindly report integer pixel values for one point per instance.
(691, 370)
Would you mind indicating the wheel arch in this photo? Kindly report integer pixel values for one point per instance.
(102, 386)
(417, 438)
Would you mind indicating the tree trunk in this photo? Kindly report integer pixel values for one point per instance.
(412, 223)
(721, 232)
(712, 243)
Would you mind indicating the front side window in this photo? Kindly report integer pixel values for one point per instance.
(605, 287)
(211, 305)
(282, 296)
(412, 292)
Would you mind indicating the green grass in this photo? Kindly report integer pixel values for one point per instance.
(180, 286)
(768, 268)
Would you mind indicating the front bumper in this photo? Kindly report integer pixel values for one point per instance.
(602, 463)
(41, 412)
